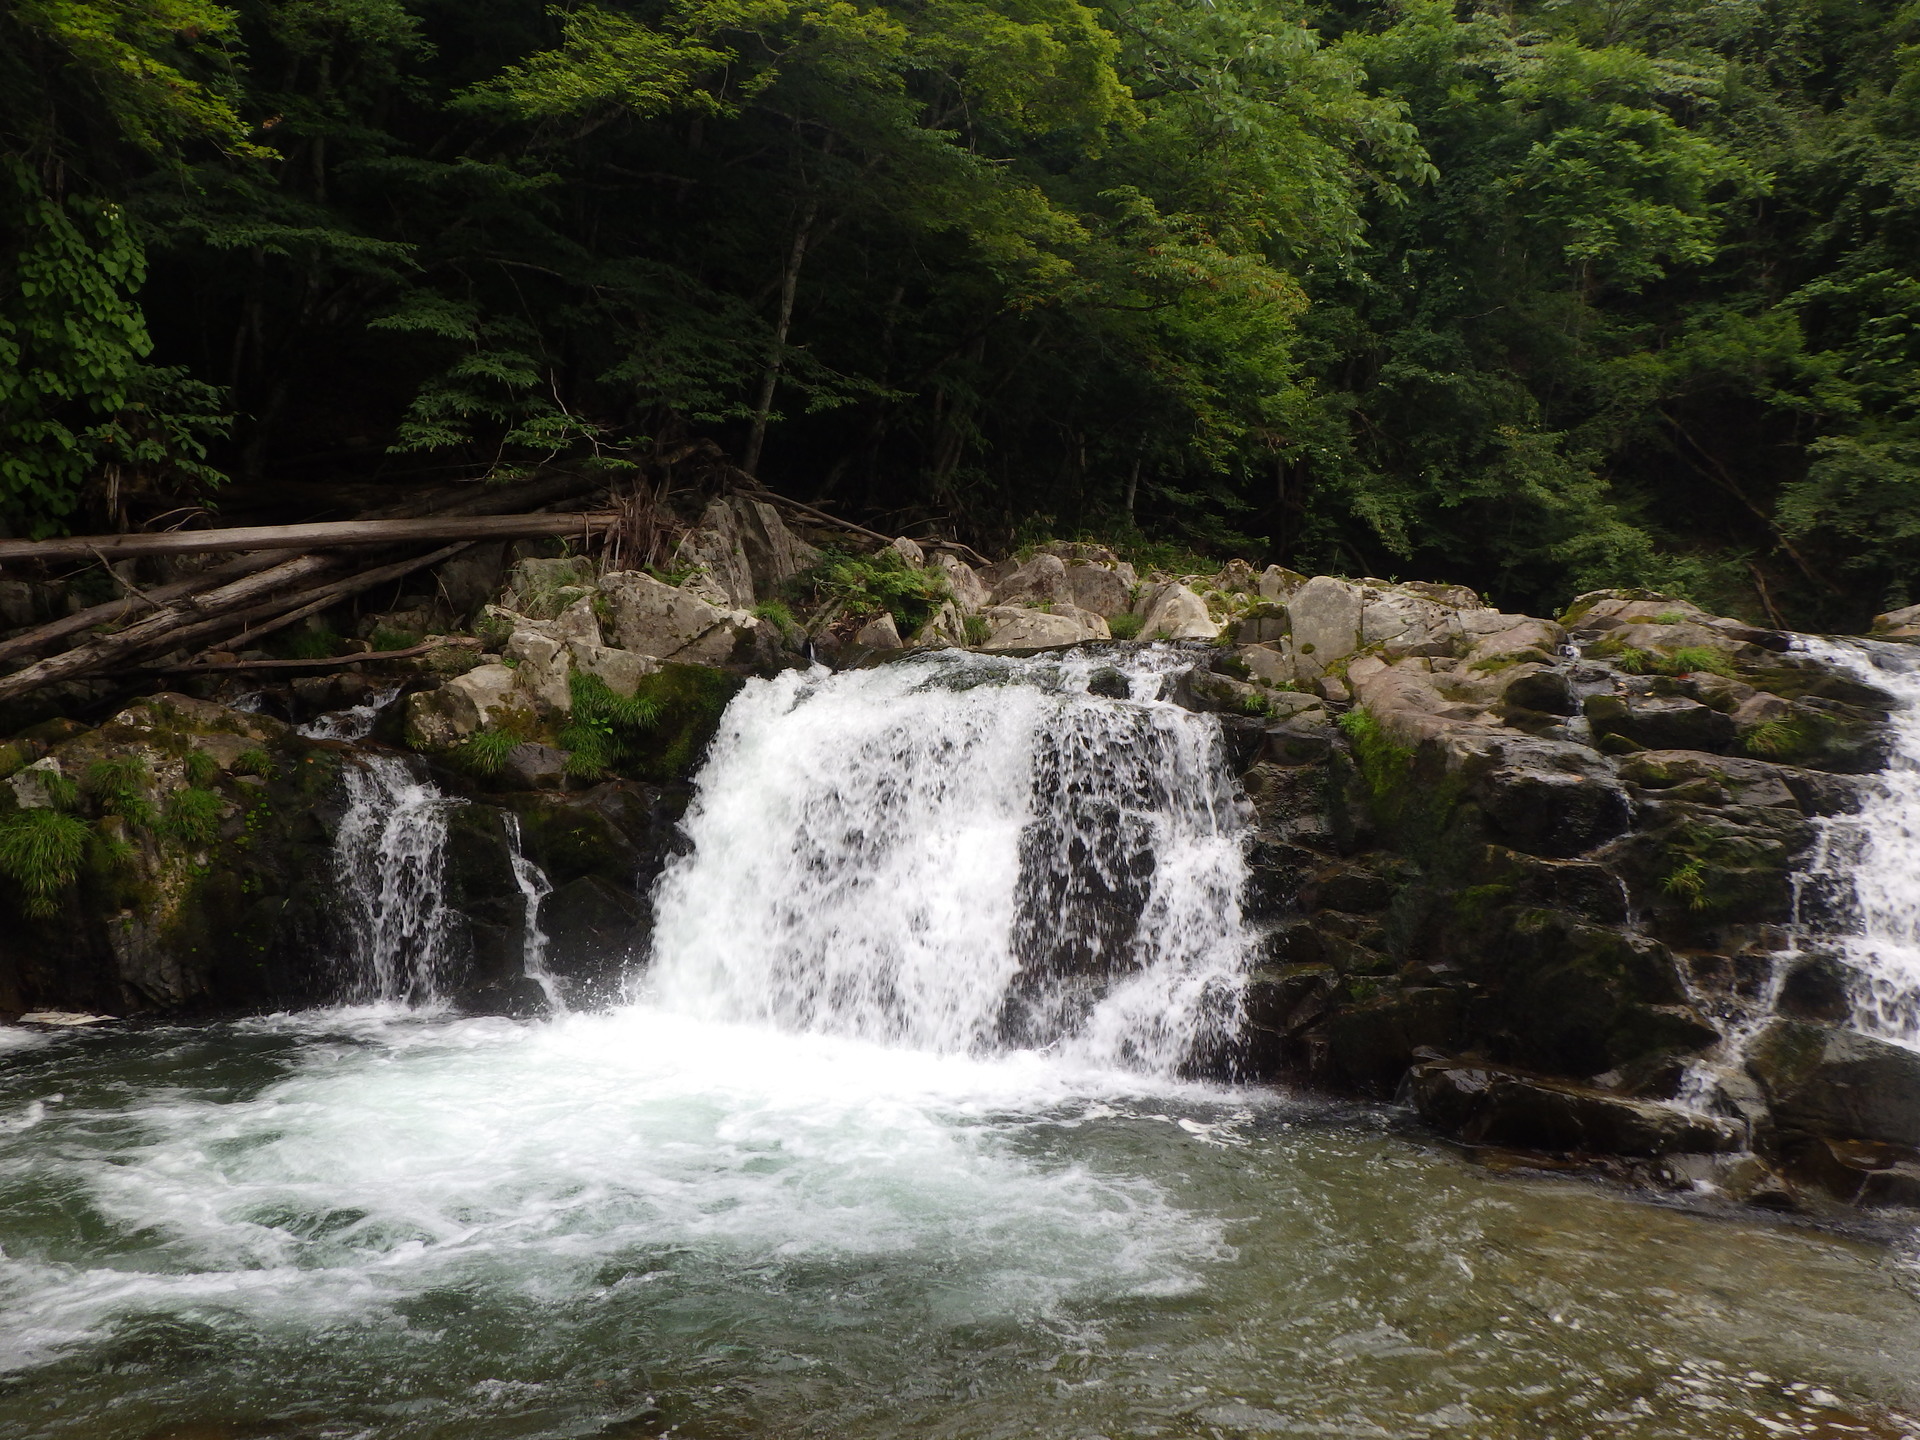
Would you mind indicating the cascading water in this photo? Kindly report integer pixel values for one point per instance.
(535, 887)
(1863, 881)
(356, 722)
(965, 853)
(390, 856)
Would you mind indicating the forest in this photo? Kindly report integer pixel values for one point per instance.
(1535, 297)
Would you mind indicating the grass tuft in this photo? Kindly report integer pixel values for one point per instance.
(40, 852)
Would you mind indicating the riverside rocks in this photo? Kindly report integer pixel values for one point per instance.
(1525, 874)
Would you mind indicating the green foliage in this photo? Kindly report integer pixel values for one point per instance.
(1780, 738)
(485, 751)
(308, 642)
(861, 585)
(255, 761)
(977, 630)
(40, 853)
(1687, 882)
(1669, 617)
(201, 768)
(607, 730)
(119, 785)
(1689, 659)
(1126, 625)
(192, 816)
(386, 638)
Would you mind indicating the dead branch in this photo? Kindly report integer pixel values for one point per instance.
(324, 535)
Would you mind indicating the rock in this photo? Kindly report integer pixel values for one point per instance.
(1170, 611)
(1660, 722)
(1826, 1083)
(879, 633)
(577, 624)
(1101, 589)
(1267, 665)
(1042, 580)
(908, 551)
(969, 593)
(1535, 801)
(1371, 1045)
(1325, 616)
(542, 672)
(541, 589)
(438, 719)
(469, 579)
(535, 767)
(1744, 782)
(1304, 738)
(33, 788)
(1495, 1105)
(660, 620)
(595, 929)
(1817, 989)
(946, 627)
(1901, 624)
(621, 670)
(1015, 627)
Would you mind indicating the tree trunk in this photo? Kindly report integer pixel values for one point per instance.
(777, 352)
(305, 537)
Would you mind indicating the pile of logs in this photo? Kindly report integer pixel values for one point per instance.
(278, 576)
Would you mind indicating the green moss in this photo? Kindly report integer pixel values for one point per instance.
(13, 759)
(40, 853)
(192, 816)
(1670, 617)
(1385, 766)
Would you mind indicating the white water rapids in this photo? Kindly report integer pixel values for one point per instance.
(1866, 865)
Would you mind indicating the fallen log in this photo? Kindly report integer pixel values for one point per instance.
(331, 595)
(322, 536)
(163, 625)
(111, 612)
(326, 662)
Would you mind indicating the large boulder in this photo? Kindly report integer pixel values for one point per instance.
(969, 593)
(439, 719)
(1170, 611)
(1017, 627)
(1837, 1084)
(1660, 722)
(653, 618)
(1105, 590)
(1042, 580)
(741, 552)
(1325, 617)
(1902, 624)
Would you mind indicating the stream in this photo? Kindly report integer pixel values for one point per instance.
(892, 1138)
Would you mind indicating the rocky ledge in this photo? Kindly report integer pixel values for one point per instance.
(1533, 877)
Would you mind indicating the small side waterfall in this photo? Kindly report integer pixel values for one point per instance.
(964, 852)
(390, 856)
(354, 723)
(534, 888)
(1867, 864)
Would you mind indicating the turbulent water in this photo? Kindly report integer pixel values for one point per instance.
(889, 1142)
(1864, 880)
(390, 859)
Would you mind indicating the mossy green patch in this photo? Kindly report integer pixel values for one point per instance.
(41, 851)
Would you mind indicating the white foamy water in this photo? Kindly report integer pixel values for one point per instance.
(354, 723)
(390, 858)
(964, 853)
(402, 1155)
(534, 890)
(1866, 866)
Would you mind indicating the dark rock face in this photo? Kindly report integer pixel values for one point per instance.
(1532, 927)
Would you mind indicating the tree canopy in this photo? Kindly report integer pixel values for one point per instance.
(1534, 296)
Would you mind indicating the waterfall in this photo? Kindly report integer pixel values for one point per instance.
(534, 889)
(961, 852)
(1865, 868)
(390, 857)
(354, 723)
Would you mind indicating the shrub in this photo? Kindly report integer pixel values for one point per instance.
(1688, 881)
(1670, 617)
(978, 631)
(485, 751)
(868, 584)
(1126, 626)
(1689, 659)
(118, 785)
(192, 816)
(40, 852)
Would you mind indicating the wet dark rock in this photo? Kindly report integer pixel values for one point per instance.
(535, 767)
(1493, 1105)
(1831, 1084)
(1816, 989)
(1660, 722)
